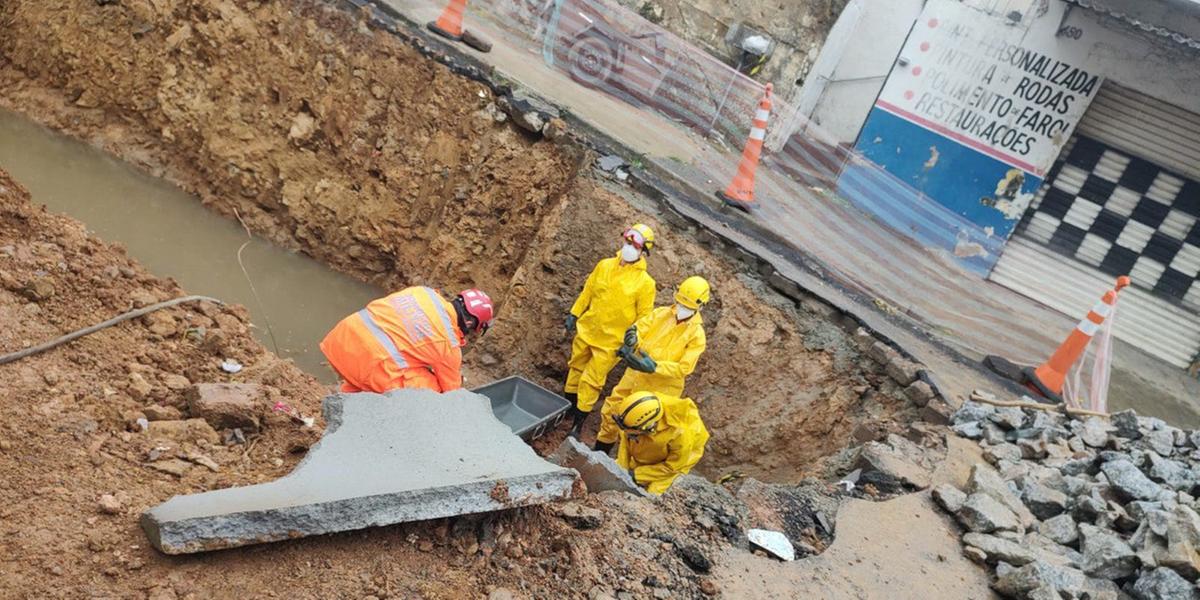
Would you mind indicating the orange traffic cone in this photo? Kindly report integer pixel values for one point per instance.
(450, 24)
(740, 193)
(1048, 379)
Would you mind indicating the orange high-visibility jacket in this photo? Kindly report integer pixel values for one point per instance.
(408, 339)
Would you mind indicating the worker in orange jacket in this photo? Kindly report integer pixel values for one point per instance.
(410, 339)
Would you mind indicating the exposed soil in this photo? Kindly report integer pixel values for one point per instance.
(66, 441)
(348, 145)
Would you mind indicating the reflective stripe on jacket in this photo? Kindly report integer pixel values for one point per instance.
(414, 328)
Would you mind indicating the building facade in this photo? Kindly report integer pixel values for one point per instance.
(1066, 131)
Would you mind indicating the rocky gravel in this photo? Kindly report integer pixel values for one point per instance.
(1100, 508)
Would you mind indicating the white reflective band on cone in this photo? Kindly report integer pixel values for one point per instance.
(1088, 327)
(1102, 309)
(762, 114)
(757, 134)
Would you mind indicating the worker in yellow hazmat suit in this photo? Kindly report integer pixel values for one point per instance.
(661, 349)
(660, 438)
(617, 293)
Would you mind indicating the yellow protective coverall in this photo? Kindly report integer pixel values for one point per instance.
(675, 346)
(656, 459)
(614, 297)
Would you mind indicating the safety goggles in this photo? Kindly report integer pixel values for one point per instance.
(634, 238)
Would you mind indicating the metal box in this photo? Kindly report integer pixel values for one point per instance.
(527, 408)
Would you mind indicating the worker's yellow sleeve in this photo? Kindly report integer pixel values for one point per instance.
(644, 323)
(657, 478)
(585, 297)
(645, 299)
(687, 362)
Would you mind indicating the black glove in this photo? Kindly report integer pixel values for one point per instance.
(571, 320)
(641, 362)
(631, 337)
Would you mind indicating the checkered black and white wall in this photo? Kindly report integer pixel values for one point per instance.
(1124, 216)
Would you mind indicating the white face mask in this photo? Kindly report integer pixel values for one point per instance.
(629, 253)
(682, 312)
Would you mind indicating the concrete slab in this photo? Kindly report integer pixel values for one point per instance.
(600, 472)
(409, 455)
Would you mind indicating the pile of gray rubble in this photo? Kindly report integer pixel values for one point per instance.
(1080, 507)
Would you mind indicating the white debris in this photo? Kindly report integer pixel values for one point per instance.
(231, 366)
(774, 542)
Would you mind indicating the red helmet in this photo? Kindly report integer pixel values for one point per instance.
(478, 305)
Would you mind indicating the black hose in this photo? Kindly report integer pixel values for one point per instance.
(133, 314)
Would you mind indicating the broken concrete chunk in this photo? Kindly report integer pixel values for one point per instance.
(983, 514)
(1044, 502)
(968, 429)
(1064, 581)
(984, 480)
(999, 549)
(949, 497)
(1061, 529)
(1105, 554)
(890, 468)
(919, 393)
(1093, 432)
(610, 162)
(1129, 482)
(1032, 448)
(973, 411)
(902, 371)
(1163, 584)
(1125, 424)
(1002, 452)
(937, 412)
(228, 405)
(1183, 539)
(384, 459)
(1161, 441)
(599, 472)
(1009, 417)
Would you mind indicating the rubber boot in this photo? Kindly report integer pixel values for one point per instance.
(603, 446)
(577, 416)
(577, 419)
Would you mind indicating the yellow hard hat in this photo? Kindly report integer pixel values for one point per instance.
(693, 292)
(641, 236)
(639, 412)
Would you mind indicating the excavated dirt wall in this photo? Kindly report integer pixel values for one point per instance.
(342, 142)
(76, 470)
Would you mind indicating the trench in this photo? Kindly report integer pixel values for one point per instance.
(816, 399)
(174, 235)
(387, 167)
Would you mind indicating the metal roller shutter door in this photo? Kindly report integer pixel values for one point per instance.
(1138, 126)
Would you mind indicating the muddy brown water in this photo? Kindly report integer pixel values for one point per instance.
(173, 235)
